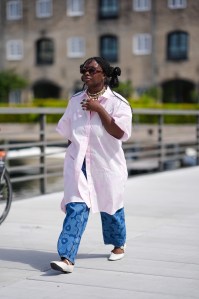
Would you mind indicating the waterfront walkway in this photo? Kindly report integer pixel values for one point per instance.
(162, 258)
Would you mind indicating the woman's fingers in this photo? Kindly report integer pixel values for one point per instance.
(89, 104)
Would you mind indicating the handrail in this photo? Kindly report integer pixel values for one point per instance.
(148, 111)
(10, 110)
(156, 152)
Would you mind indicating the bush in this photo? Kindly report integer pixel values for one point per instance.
(9, 81)
(154, 92)
(53, 103)
(125, 89)
(144, 102)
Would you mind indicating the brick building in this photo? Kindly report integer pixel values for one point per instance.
(155, 42)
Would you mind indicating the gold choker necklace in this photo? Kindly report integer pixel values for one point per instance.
(95, 96)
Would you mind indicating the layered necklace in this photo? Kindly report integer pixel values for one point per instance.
(95, 96)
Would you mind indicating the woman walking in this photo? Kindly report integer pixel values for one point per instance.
(95, 122)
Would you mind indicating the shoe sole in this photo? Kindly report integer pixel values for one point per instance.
(58, 268)
(114, 260)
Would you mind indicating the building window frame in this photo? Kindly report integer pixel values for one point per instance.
(75, 8)
(44, 8)
(141, 5)
(14, 10)
(177, 46)
(109, 47)
(15, 96)
(142, 44)
(14, 50)
(177, 4)
(76, 47)
(109, 9)
(44, 52)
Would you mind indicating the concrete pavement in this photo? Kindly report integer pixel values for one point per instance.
(162, 258)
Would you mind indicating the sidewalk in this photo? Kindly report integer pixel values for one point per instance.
(162, 258)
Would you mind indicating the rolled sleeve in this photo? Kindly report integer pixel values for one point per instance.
(64, 124)
(123, 119)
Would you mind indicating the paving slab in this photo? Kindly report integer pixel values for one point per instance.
(162, 258)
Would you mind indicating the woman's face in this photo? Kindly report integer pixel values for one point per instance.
(92, 75)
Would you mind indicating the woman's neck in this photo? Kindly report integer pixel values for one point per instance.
(95, 89)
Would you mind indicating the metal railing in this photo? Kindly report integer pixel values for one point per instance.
(151, 147)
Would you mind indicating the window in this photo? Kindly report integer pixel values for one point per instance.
(109, 48)
(76, 47)
(177, 46)
(44, 52)
(14, 50)
(75, 7)
(142, 44)
(14, 10)
(44, 8)
(15, 97)
(177, 4)
(108, 9)
(141, 5)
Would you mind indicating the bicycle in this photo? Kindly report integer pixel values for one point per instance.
(5, 189)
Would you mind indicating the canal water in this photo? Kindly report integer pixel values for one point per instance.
(25, 190)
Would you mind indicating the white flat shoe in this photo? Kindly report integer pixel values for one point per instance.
(61, 266)
(118, 256)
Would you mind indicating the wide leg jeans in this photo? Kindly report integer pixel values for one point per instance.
(113, 228)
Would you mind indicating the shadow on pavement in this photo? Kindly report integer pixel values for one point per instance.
(39, 260)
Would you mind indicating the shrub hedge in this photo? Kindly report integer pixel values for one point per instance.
(144, 102)
(149, 103)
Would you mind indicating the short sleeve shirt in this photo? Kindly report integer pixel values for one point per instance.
(103, 188)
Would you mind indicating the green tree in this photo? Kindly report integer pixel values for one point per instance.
(10, 81)
(125, 89)
(155, 92)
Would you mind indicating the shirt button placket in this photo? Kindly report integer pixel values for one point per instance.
(88, 159)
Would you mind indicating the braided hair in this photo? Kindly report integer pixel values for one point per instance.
(110, 72)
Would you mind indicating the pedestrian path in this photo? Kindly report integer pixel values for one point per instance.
(162, 258)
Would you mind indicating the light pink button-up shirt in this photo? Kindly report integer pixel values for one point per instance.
(103, 189)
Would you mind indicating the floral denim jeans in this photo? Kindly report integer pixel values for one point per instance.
(113, 228)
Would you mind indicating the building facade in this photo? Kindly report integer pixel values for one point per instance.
(155, 43)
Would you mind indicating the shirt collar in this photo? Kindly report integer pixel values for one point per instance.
(107, 93)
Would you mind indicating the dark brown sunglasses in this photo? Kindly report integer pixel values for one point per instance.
(90, 70)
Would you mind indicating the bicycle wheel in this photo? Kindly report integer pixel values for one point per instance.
(5, 196)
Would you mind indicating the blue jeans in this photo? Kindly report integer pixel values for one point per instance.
(113, 228)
